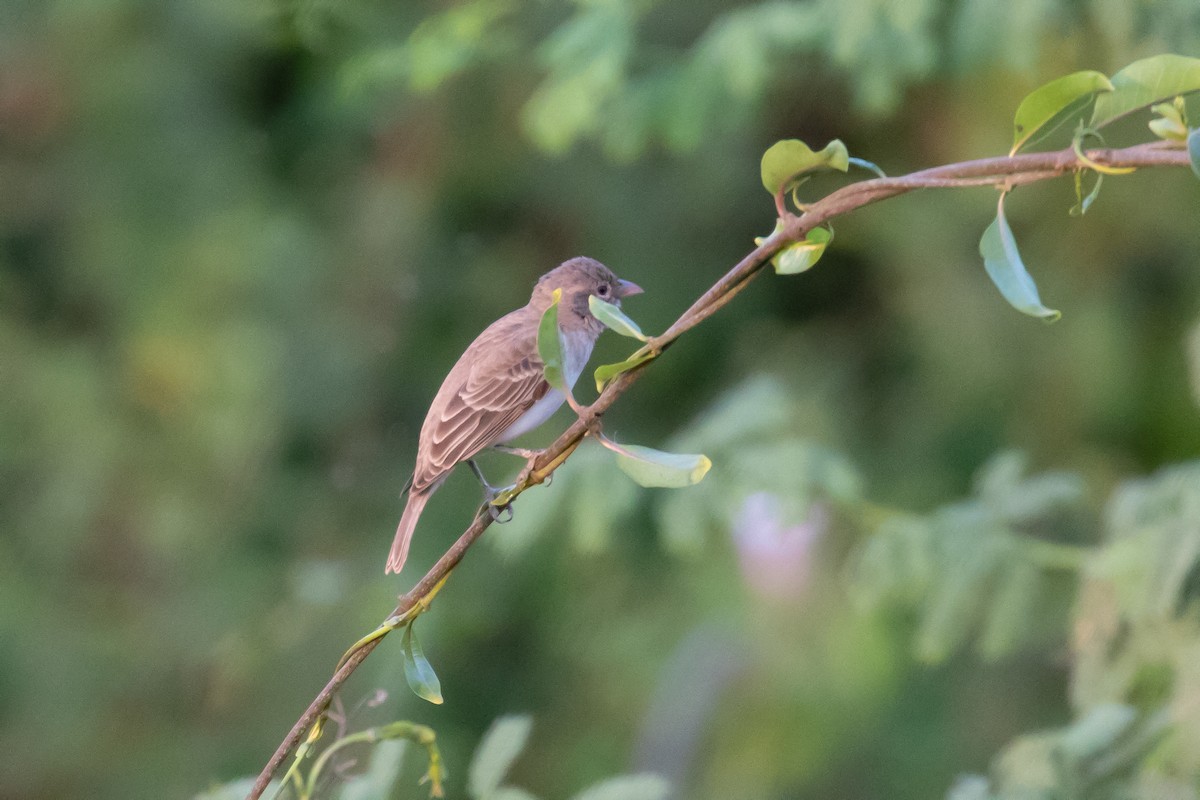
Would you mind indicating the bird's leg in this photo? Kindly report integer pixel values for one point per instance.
(489, 494)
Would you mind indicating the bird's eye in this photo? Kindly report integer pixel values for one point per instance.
(603, 290)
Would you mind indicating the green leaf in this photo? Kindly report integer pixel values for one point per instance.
(1082, 203)
(1047, 102)
(1170, 123)
(787, 160)
(606, 372)
(417, 670)
(801, 256)
(1144, 83)
(501, 745)
(1193, 146)
(1005, 268)
(628, 787)
(550, 346)
(614, 319)
(656, 469)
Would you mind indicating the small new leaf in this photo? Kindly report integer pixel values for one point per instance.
(606, 372)
(417, 670)
(1048, 102)
(614, 319)
(1082, 203)
(1004, 266)
(801, 256)
(1170, 124)
(787, 160)
(658, 470)
(550, 346)
(1144, 83)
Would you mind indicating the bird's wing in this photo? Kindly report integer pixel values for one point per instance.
(503, 380)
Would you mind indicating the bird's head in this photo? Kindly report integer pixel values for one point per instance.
(580, 278)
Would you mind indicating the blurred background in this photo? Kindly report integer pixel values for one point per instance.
(242, 242)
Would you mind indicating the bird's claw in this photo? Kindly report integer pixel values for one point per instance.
(500, 514)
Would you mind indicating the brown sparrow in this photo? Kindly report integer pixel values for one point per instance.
(497, 390)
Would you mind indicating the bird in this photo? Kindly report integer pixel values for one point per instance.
(497, 389)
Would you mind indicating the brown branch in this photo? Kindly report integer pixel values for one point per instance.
(1001, 172)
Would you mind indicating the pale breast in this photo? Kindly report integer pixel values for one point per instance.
(576, 350)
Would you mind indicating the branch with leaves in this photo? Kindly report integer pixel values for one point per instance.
(799, 239)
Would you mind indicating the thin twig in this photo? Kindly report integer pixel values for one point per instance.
(1006, 171)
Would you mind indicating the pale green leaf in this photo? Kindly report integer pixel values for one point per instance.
(628, 787)
(1007, 271)
(501, 745)
(550, 346)
(1144, 83)
(606, 372)
(656, 469)
(801, 256)
(1168, 129)
(1047, 102)
(1082, 202)
(788, 159)
(417, 670)
(1099, 730)
(1193, 146)
(383, 768)
(614, 319)
(1170, 123)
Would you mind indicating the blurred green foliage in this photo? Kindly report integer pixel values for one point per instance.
(242, 242)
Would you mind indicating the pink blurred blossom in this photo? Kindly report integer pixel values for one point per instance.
(776, 558)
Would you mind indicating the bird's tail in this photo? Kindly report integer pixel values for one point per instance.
(404, 532)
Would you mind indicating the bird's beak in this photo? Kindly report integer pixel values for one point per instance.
(626, 288)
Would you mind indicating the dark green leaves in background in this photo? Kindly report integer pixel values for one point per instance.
(979, 570)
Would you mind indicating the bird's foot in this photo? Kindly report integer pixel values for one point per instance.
(499, 514)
